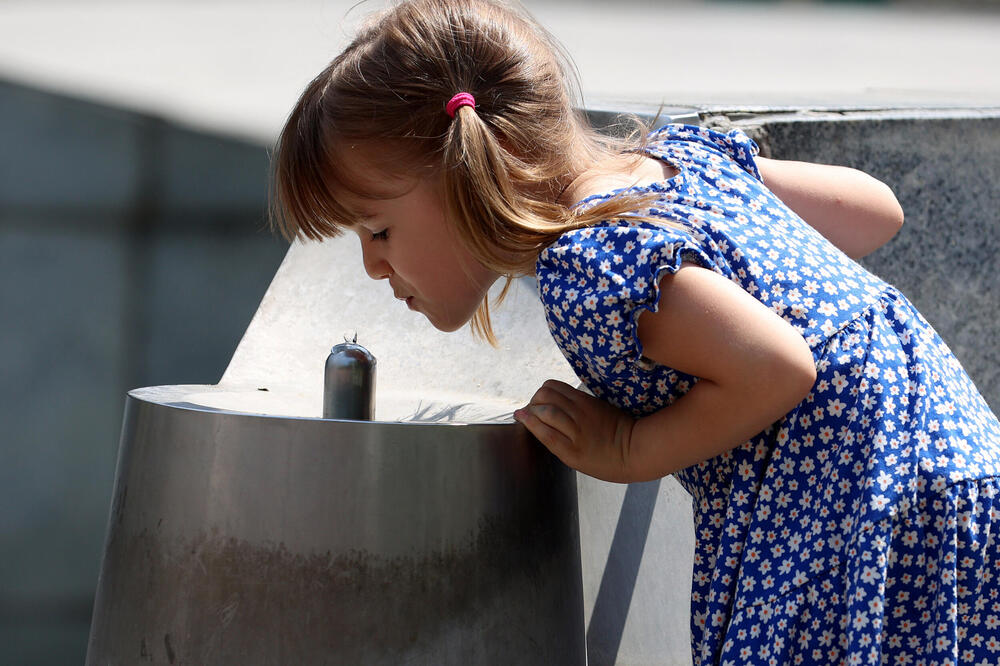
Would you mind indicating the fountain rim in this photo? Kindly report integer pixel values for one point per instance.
(142, 395)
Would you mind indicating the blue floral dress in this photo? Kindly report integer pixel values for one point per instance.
(862, 527)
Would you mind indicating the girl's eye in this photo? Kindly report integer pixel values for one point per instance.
(380, 235)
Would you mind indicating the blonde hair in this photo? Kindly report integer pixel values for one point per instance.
(502, 164)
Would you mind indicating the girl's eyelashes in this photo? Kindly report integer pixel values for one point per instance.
(365, 224)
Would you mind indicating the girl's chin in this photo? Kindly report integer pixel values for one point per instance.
(445, 328)
(446, 325)
(448, 321)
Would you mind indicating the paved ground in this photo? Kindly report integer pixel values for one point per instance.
(238, 66)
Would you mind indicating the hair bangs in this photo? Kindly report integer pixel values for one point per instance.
(315, 177)
(303, 206)
(320, 179)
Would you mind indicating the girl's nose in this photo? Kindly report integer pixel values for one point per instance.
(375, 265)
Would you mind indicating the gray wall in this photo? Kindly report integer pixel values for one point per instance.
(132, 252)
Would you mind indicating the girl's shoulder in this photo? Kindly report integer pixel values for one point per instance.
(619, 255)
(664, 161)
(707, 166)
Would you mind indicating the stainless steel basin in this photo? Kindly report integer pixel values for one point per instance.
(236, 538)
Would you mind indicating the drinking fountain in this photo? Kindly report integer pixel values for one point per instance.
(245, 528)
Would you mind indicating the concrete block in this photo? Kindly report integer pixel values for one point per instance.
(132, 252)
(636, 559)
(210, 173)
(63, 301)
(60, 152)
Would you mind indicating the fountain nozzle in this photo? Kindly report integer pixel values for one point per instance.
(349, 382)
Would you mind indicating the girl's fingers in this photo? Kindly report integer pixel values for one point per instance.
(571, 394)
(556, 396)
(554, 417)
(553, 439)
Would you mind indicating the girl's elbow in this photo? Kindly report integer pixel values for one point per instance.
(782, 386)
(805, 378)
(797, 373)
(893, 212)
(883, 218)
(890, 219)
(799, 383)
(898, 218)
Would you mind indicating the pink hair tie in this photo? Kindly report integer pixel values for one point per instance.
(458, 101)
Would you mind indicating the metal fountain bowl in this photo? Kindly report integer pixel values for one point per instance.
(247, 538)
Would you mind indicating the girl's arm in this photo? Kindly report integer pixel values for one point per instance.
(853, 210)
(753, 368)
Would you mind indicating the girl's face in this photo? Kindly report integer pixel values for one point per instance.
(407, 241)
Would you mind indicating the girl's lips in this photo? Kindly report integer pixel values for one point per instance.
(407, 299)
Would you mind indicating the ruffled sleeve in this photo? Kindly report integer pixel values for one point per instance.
(734, 145)
(595, 282)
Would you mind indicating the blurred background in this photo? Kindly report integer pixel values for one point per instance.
(134, 247)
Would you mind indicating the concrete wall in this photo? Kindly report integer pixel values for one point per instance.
(132, 253)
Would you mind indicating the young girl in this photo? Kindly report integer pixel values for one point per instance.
(843, 466)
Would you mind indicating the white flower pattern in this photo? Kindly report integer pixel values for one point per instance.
(860, 529)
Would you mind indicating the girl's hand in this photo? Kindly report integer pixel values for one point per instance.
(584, 432)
